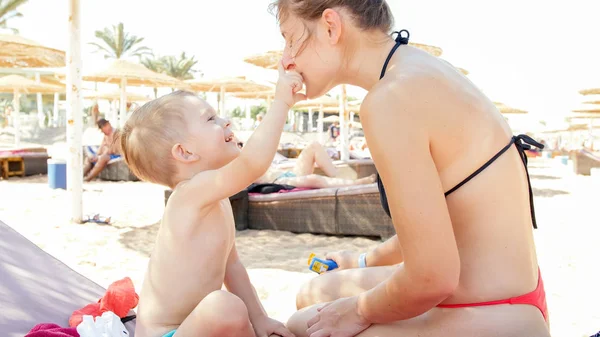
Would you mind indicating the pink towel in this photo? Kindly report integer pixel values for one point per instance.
(52, 330)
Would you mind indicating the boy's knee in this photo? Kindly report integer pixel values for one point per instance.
(231, 314)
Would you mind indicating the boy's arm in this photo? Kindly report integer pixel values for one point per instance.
(209, 187)
(238, 283)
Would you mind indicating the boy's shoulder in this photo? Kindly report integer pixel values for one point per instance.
(186, 195)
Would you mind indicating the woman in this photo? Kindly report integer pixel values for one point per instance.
(302, 176)
(463, 262)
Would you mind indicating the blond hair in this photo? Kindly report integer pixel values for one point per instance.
(148, 136)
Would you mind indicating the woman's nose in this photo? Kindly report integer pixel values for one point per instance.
(288, 60)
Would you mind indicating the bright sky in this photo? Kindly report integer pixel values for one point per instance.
(533, 54)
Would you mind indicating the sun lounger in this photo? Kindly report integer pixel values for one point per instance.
(584, 161)
(37, 288)
(353, 210)
(34, 159)
(350, 169)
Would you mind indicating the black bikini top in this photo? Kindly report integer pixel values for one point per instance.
(521, 142)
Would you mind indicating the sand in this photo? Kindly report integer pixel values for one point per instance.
(566, 205)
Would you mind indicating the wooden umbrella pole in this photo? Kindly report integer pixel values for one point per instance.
(320, 125)
(222, 102)
(55, 110)
(17, 118)
(40, 104)
(344, 153)
(74, 114)
(123, 103)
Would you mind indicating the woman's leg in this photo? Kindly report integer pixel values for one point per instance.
(314, 153)
(497, 321)
(343, 283)
(319, 181)
(220, 314)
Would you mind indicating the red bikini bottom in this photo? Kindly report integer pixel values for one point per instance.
(536, 298)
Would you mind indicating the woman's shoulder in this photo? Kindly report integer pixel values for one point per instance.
(416, 84)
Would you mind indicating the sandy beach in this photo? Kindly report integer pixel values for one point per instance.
(276, 261)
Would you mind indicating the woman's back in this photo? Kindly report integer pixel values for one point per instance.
(490, 214)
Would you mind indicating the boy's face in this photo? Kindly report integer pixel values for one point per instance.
(209, 135)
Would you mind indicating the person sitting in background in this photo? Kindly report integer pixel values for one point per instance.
(302, 175)
(98, 159)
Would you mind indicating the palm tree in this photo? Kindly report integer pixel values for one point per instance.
(155, 64)
(181, 68)
(8, 10)
(119, 44)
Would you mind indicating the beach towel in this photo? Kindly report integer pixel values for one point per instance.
(52, 330)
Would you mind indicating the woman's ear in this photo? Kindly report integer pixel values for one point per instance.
(181, 154)
(333, 24)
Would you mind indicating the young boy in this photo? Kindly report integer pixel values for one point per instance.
(179, 141)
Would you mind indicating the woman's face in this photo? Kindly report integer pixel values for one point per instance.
(311, 51)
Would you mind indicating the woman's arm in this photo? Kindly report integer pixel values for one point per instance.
(386, 254)
(399, 142)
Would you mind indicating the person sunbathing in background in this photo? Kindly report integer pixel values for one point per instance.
(179, 141)
(302, 175)
(96, 161)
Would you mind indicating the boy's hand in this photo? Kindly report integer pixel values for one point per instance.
(288, 85)
(266, 327)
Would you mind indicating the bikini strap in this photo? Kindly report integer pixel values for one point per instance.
(400, 40)
(522, 143)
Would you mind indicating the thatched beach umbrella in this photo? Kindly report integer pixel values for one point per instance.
(593, 91)
(19, 52)
(228, 85)
(16, 85)
(127, 73)
(505, 109)
(116, 95)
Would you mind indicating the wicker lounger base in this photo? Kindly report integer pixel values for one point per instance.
(352, 210)
(314, 215)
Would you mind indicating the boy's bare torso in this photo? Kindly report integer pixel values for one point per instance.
(188, 262)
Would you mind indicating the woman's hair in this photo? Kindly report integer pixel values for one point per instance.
(367, 14)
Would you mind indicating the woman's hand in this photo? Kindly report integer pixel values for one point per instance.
(345, 259)
(339, 318)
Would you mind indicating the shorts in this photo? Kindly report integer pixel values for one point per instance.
(169, 334)
(92, 150)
